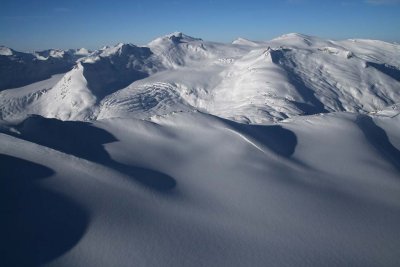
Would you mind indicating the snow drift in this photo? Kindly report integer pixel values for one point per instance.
(193, 189)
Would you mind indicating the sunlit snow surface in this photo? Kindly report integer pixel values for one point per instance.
(138, 156)
(252, 82)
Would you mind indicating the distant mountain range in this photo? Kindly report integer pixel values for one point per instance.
(247, 81)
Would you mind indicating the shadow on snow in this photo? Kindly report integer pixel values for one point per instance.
(379, 140)
(38, 225)
(83, 140)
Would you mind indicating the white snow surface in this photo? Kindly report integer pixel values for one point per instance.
(191, 189)
(187, 152)
(5, 51)
(247, 81)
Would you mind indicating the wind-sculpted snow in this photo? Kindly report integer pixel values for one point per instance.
(194, 189)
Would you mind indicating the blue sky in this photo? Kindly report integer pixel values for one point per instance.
(32, 25)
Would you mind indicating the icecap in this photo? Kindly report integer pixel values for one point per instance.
(138, 155)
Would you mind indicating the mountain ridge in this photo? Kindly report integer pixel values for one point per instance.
(248, 81)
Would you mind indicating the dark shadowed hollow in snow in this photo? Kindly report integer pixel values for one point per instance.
(108, 75)
(379, 140)
(390, 71)
(104, 78)
(83, 140)
(312, 105)
(37, 225)
(276, 138)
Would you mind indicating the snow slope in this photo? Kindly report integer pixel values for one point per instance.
(192, 189)
(252, 82)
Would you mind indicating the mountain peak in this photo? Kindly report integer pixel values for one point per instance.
(175, 34)
(116, 49)
(176, 38)
(293, 35)
(5, 51)
(299, 39)
(82, 52)
(244, 41)
(181, 36)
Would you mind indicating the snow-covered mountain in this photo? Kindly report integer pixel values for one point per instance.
(186, 152)
(245, 81)
(20, 69)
